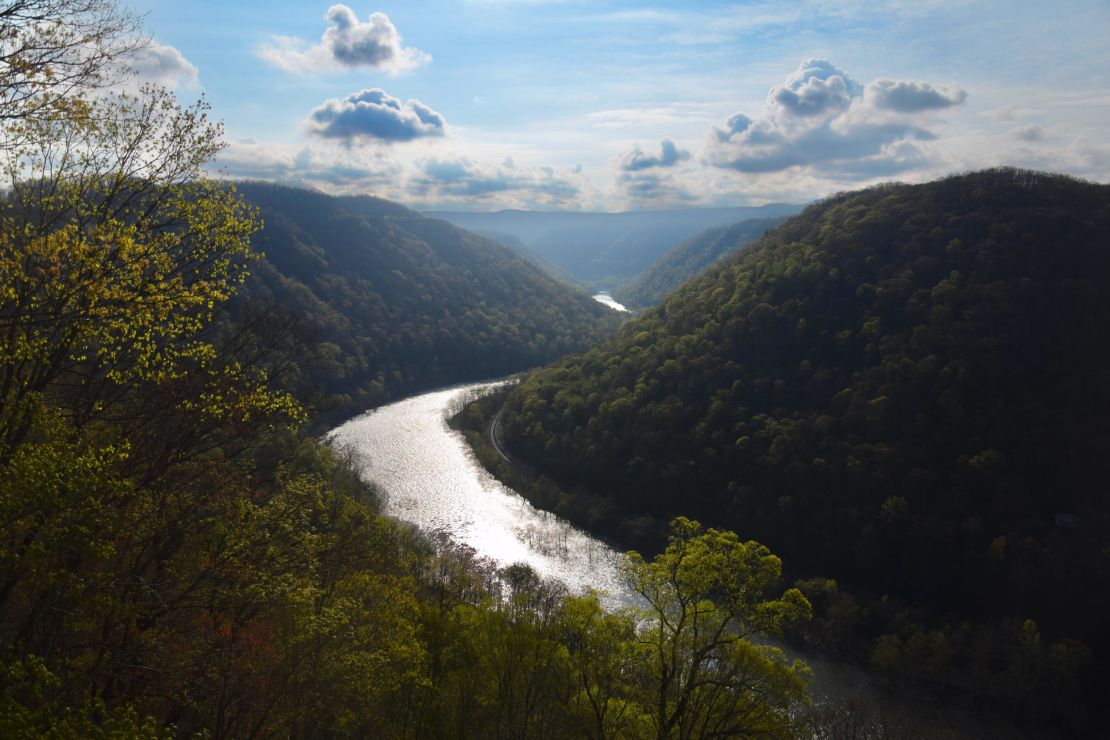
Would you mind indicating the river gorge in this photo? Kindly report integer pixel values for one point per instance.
(429, 478)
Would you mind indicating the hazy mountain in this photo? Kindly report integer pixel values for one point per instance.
(690, 258)
(390, 301)
(906, 389)
(606, 249)
(514, 243)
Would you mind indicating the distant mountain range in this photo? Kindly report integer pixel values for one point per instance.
(606, 249)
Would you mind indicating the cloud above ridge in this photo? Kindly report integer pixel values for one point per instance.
(636, 160)
(823, 120)
(373, 114)
(347, 43)
(458, 179)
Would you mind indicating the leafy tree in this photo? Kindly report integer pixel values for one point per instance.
(603, 653)
(54, 52)
(708, 594)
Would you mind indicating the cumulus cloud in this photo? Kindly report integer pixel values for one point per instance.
(636, 160)
(908, 96)
(347, 43)
(374, 114)
(824, 120)
(460, 179)
(164, 65)
(816, 88)
(650, 180)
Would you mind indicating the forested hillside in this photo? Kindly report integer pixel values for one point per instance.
(385, 301)
(905, 389)
(689, 259)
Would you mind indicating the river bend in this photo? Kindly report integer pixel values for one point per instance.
(431, 479)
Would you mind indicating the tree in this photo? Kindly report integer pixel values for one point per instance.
(54, 52)
(119, 412)
(604, 659)
(115, 252)
(707, 595)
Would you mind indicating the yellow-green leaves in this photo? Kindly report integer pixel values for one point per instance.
(705, 597)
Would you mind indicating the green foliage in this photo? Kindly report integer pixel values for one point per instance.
(517, 657)
(27, 711)
(706, 595)
(903, 388)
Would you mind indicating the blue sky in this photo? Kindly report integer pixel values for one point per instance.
(487, 104)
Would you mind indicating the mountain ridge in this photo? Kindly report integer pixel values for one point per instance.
(389, 302)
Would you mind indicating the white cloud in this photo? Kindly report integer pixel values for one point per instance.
(164, 65)
(669, 156)
(823, 120)
(327, 168)
(908, 96)
(374, 114)
(655, 190)
(347, 43)
(462, 180)
(447, 180)
(619, 118)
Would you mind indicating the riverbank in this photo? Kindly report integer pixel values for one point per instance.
(851, 695)
(477, 421)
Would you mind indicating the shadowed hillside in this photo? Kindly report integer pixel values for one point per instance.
(905, 389)
(387, 301)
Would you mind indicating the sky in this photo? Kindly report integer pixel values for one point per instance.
(611, 106)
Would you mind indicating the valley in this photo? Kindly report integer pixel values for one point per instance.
(547, 371)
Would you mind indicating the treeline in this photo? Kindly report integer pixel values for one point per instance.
(903, 389)
(376, 301)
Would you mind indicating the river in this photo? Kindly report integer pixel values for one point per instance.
(607, 300)
(431, 479)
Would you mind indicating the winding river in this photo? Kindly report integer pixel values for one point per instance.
(431, 479)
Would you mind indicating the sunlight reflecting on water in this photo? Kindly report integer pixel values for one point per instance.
(606, 299)
(432, 480)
